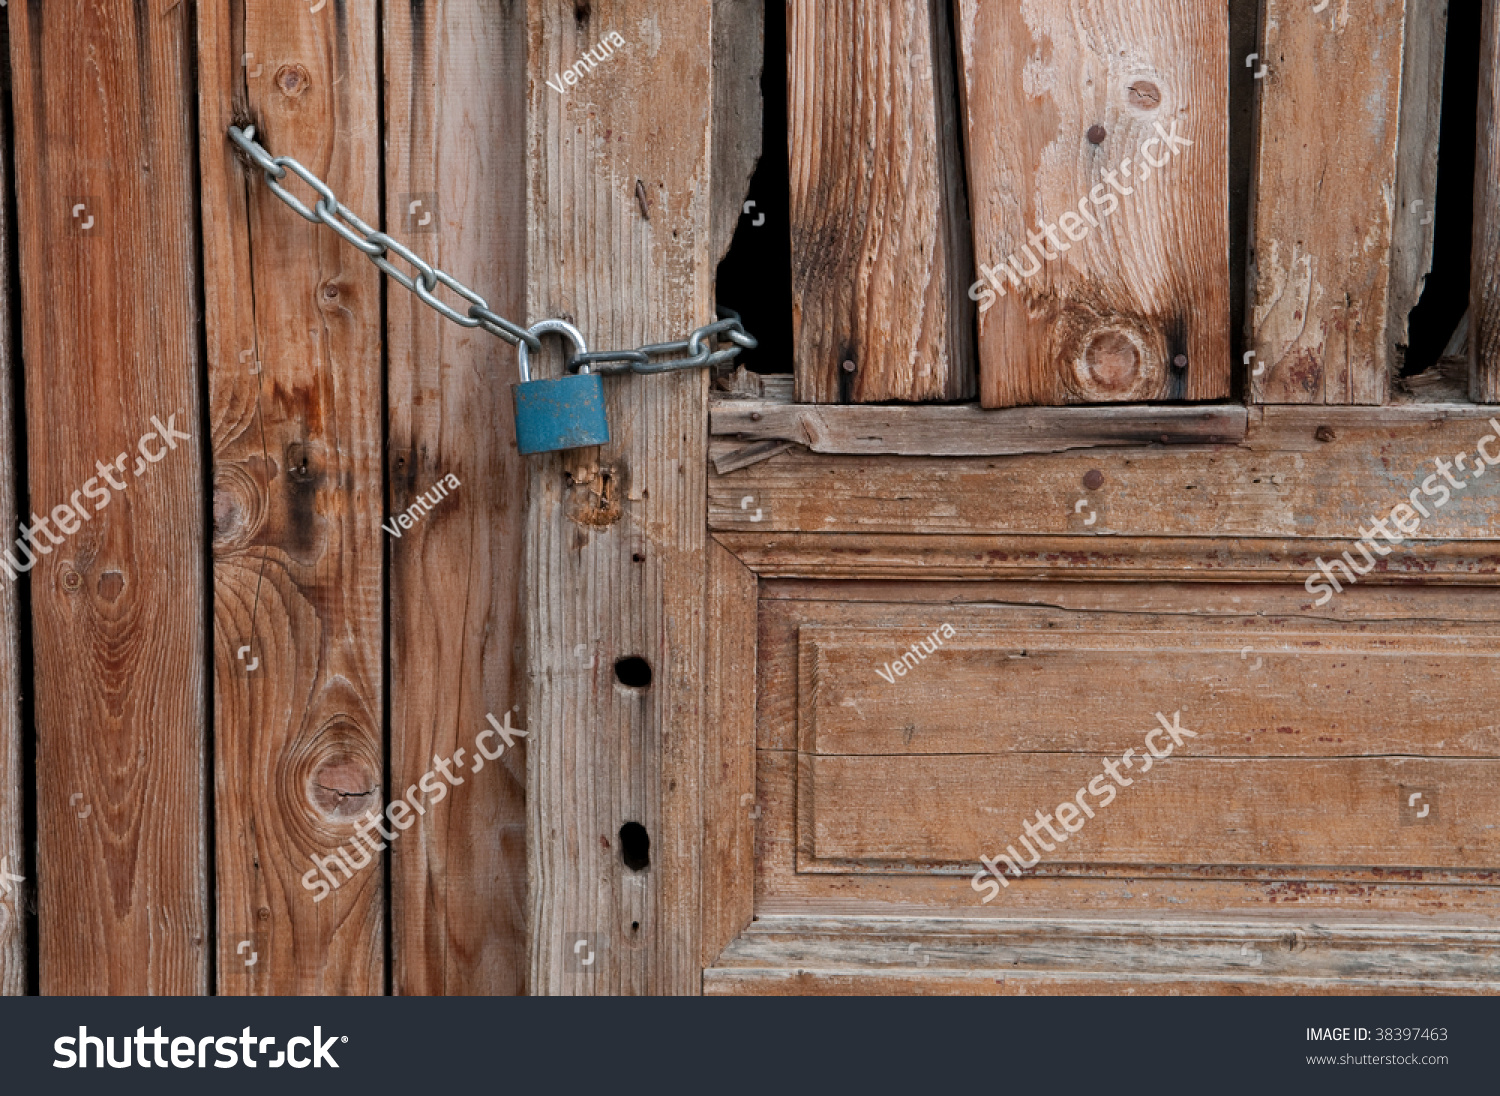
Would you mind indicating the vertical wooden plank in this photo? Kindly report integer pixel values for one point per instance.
(1413, 234)
(455, 143)
(880, 242)
(294, 347)
(12, 853)
(739, 54)
(1324, 210)
(1484, 316)
(1098, 150)
(109, 268)
(729, 753)
(618, 221)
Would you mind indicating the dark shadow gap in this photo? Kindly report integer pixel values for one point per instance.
(1445, 297)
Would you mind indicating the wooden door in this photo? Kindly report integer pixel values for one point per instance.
(1126, 699)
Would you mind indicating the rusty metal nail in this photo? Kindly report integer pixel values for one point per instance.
(755, 416)
(1325, 433)
(849, 366)
(1093, 479)
(1097, 134)
(1180, 362)
(640, 198)
(71, 580)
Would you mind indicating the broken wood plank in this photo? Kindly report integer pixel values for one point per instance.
(1484, 309)
(104, 109)
(616, 544)
(971, 431)
(880, 243)
(1412, 233)
(293, 323)
(1322, 228)
(1099, 129)
(739, 45)
(458, 877)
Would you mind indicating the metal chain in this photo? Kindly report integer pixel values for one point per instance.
(328, 210)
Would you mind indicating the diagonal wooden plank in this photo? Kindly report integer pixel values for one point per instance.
(294, 342)
(1098, 178)
(880, 244)
(455, 142)
(618, 222)
(103, 111)
(1484, 339)
(1324, 214)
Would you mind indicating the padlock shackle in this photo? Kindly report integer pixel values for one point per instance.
(550, 327)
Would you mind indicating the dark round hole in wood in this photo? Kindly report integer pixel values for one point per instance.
(635, 846)
(635, 926)
(637, 558)
(633, 672)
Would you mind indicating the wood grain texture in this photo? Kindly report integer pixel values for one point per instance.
(294, 342)
(1033, 956)
(1070, 107)
(871, 557)
(1283, 481)
(729, 753)
(1421, 123)
(455, 140)
(1484, 309)
(971, 431)
(880, 240)
(1324, 208)
(1283, 694)
(12, 730)
(615, 539)
(739, 54)
(103, 114)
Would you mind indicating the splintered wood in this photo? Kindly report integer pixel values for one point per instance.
(1324, 210)
(1098, 182)
(880, 250)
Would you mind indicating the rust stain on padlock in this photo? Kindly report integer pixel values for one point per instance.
(595, 500)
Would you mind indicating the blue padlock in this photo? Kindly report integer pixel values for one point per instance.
(567, 413)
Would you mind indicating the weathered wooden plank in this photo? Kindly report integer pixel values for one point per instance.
(1484, 310)
(1300, 473)
(823, 954)
(852, 556)
(729, 754)
(1457, 897)
(455, 142)
(880, 248)
(103, 114)
(967, 690)
(1098, 128)
(1192, 808)
(739, 52)
(1412, 231)
(796, 980)
(13, 858)
(1322, 230)
(619, 240)
(294, 342)
(971, 431)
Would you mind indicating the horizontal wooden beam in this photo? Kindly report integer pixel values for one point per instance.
(879, 557)
(968, 430)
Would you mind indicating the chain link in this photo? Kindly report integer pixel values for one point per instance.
(425, 278)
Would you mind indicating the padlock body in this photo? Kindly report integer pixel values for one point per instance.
(566, 413)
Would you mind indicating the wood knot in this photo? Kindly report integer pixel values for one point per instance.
(292, 81)
(1325, 434)
(1144, 95)
(1112, 361)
